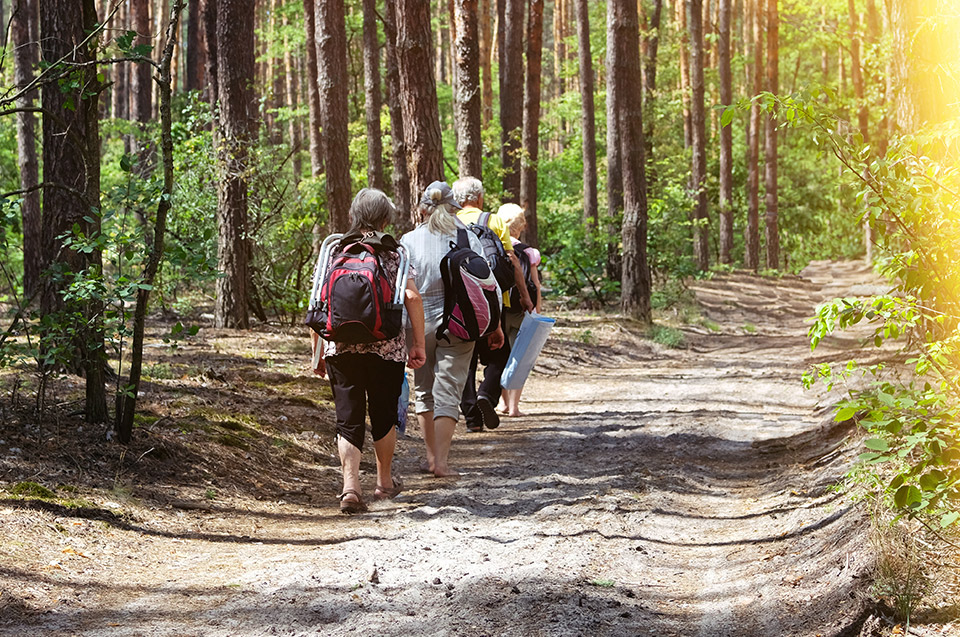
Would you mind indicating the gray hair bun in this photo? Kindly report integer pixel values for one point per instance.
(435, 195)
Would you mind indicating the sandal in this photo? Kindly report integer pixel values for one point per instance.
(351, 506)
(385, 493)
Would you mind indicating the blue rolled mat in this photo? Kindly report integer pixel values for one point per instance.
(533, 334)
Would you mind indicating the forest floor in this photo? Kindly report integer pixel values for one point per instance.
(648, 491)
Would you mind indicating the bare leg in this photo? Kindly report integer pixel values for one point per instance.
(425, 420)
(350, 463)
(443, 438)
(384, 449)
(512, 400)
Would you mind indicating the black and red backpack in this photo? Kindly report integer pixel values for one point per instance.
(356, 301)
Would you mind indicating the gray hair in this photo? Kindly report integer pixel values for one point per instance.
(371, 210)
(467, 190)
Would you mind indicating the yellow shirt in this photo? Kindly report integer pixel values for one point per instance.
(472, 215)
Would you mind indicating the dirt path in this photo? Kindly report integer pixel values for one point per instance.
(649, 491)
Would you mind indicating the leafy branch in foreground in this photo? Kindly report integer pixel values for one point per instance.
(911, 401)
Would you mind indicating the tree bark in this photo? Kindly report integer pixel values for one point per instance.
(651, 48)
(701, 234)
(121, 72)
(236, 67)
(195, 53)
(684, 57)
(614, 163)
(401, 179)
(418, 95)
(313, 91)
(591, 212)
(26, 56)
(332, 81)
(71, 160)
(531, 122)
(511, 106)
(726, 136)
(856, 71)
(751, 251)
(623, 40)
(486, 64)
(467, 100)
(771, 216)
(291, 86)
(208, 20)
(140, 83)
(371, 87)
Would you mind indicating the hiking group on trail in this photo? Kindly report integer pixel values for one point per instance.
(457, 291)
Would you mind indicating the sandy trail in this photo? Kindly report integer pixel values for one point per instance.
(648, 491)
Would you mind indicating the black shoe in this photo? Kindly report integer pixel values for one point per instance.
(488, 412)
(472, 428)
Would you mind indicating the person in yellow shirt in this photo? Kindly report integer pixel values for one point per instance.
(479, 405)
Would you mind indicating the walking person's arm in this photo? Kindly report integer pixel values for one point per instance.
(416, 349)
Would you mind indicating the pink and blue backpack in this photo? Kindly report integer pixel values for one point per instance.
(471, 295)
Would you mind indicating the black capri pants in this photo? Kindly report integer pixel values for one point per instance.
(359, 380)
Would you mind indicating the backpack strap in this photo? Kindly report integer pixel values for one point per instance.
(484, 219)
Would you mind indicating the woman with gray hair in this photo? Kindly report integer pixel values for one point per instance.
(439, 382)
(371, 374)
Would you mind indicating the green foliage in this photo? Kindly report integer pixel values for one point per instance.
(668, 336)
(32, 490)
(909, 199)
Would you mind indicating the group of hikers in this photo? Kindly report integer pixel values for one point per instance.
(449, 296)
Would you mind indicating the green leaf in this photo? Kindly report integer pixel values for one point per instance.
(907, 496)
(727, 117)
(877, 444)
(949, 518)
(845, 413)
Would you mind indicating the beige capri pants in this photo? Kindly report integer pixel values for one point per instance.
(439, 383)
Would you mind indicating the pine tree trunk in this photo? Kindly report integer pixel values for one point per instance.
(771, 220)
(684, 37)
(195, 52)
(140, 82)
(651, 47)
(614, 159)
(531, 122)
(590, 206)
(401, 179)
(467, 102)
(26, 55)
(701, 234)
(121, 72)
(418, 96)
(751, 250)
(511, 104)
(292, 88)
(371, 88)
(624, 58)
(71, 159)
(486, 64)
(332, 81)
(236, 67)
(726, 136)
(208, 22)
(313, 91)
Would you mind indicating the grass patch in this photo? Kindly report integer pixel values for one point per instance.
(749, 328)
(667, 336)
(602, 583)
(713, 326)
(231, 440)
(32, 490)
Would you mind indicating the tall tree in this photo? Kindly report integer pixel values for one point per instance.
(614, 163)
(726, 135)
(698, 134)
(771, 215)
(291, 86)
(401, 181)
(511, 109)
(856, 71)
(195, 52)
(418, 95)
(751, 250)
(684, 59)
(332, 80)
(313, 90)
(590, 207)
(121, 72)
(141, 86)
(486, 64)
(467, 99)
(208, 20)
(651, 46)
(623, 39)
(237, 117)
(531, 121)
(26, 55)
(371, 87)
(71, 192)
